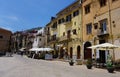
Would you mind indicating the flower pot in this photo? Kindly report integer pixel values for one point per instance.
(110, 69)
(89, 66)
(71, 63)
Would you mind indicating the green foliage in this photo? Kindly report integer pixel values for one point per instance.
(109, 64)
(89, 62)
(109, 61)
(42, 56)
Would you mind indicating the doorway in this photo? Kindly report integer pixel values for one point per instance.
(71, 52)
(102, 55)
(78, 52)
(87, 51)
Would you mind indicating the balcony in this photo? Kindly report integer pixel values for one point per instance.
(102, 32)
(68, 23)
(52, 39)
(40, 34)
(48, 33)
(54, 28)
(63, 38)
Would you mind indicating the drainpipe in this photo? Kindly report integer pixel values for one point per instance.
(111, 36)
(82, 48)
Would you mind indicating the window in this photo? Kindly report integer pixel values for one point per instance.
(68, 34)
(68, 18)
(103, 25)
(87, 9)
(54, 25)
(114, 0)
(102, 2)
(75, 13)
(63, 33)
(89, 28)
(74, 31)
(54, 37)
(63, 20)
(60, 21)
(1, 36)
(40, 39)
(96, 26)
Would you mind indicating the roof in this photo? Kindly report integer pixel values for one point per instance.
(5, 30)
(76, 1)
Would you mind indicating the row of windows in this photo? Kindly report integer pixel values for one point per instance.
(101, 2)
(69, 32)
(68, 18)
(103, 26)
(54, 25)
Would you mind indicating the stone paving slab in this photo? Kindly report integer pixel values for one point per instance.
(19, 66)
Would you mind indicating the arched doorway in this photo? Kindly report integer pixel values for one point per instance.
(61, 52)
(78, 52)
(71, 52)
(87, 51)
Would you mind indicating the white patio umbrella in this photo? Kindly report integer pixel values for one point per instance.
(22, 49)
(48, 49)
(35, 49)
(41, 49)
(104, 46)
(94, 47)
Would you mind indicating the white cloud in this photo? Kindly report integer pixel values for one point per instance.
(9, 17)
(12, 18)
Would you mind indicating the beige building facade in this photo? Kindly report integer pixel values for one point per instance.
(100, 25)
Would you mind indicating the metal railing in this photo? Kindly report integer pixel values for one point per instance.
(102, 32)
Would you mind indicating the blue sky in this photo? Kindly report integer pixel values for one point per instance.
(17, 15)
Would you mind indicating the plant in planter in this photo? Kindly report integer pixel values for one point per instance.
(89, 63)
(109, 65)
(71, 62)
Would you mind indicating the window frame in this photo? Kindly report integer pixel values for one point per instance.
(74, 31)
(102, 3)
(68, 18)
(101, 24)
(75, 13)
(87, 9)
(88, 28)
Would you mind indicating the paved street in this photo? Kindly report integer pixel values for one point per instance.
(18, 66)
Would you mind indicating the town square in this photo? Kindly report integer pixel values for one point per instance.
(71, 38)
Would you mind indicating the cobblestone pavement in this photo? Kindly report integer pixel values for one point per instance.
(18, 66)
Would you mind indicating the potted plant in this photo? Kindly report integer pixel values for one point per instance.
(109, 65)
(89, 63)
(71, 62)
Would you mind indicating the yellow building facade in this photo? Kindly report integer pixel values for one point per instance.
(70, 30)
(67, 31)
